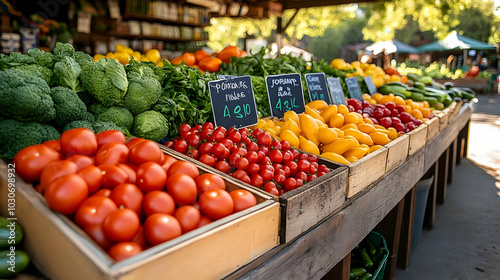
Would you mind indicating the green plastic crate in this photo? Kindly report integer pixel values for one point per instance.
(379, 241)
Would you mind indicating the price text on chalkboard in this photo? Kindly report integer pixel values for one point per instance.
(233, 102)
(372, 89)
(336, 91)
(285, 94)
(316, 84)
(353, 87)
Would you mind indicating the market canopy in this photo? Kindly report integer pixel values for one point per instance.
(391, 46)
(455, 41)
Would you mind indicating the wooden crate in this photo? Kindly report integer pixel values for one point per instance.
(397, 151)
(443, 119)
(458, 107)
(366, 171)
(432, 128)
(418, 138)
(61, 250)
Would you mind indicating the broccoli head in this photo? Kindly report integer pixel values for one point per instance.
(143, 90)
(66, 73)
(97, 109)
(78, 124)
(45, 59)
(24, 97)
(27, 63)
(103, 126)
(69, 107)
(64, 49)
(150, 125)
(35, 69)
(89, 117)
(16, 135)
(88, 99)
(117, 115)
(82, 58)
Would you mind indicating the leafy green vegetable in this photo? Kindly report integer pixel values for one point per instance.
(45, 59)
(150, 125)
(78, 124)
(69, 107)
(102, 126)
(117, 115)
(66, 73)
(64, 49)
(143, 90)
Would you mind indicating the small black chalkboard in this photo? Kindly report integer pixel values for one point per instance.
(225, 77)
(353, 87)
(285, 94)
(372, 89)
(233, 102)
(316, 84)
(336, 91)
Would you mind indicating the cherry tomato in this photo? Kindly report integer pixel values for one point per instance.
(276, 156)
(206, 134)
(226, 142)
(295, 154)
(204, 220)
(81, 161)
(66, 193)
(311, 177)
(208, 181)
(242, 199)
(252, 157)
(313, 158)
(287, 171)
(216, 204)
(206, 148)
(134, 141)
(233, 157)
(239, 174)
(263, 139)
(303, 156)
(102, 192)
(92, 176)
(151, 177)
(130, 169)
(53, 144)
(279, 178)
(160, 228)
(253, 168)
(168, 162)
(323, 168)
(315, 164)
(312, 169)
(287, 156)
(285, 146)
(257, 132)
(266, 161)
(319, 174)
(217, 136)
(78, 141)
(124, 250)
(260, 156)
(121, 225)
(241, 151)
(93, 211)
(226, 154)
(293, 167)
(241, 164)
(31, 161)
(112, 153)
(208, 125)
(182, 188)
(235, 136)
(158, 202)
(112, 176)
(266, 174)
(246, 141)
(193, 140)
(188, 217)
(222, 166)
(128, 196)
(110, 136)
(95, 232)
(169, 144)
(183, 167)
(193, 153)
(244, 132)
(55, 170)
(301, 175)
(271, 188)
(184, 128)
(300, 182)
(145, 151)
(290, 184)
(304, 165)
(181, 146)
(208, 160)
(252, 146)
(256, 180)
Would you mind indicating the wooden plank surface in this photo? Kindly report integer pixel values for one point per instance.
(452, 160)
(443, 120)
(397, 151)
(341, 271)
(430, 208)
(417, 139)
(404, 253)
(365, 171)
(442, 177)
(432, 128)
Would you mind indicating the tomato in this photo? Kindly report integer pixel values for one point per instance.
(189, 218)
(240, 151)
(112, 176)
(266, 161)
(285, 146)
(160, 228)
(304, 165)
(244, 133)
(134, 141)
(315, 164)
(311, 177)
(313, 158)
(235, 136)
(225, 155)
(151, 177)
(266, 174)
(271, 188)
(66, 193)
(110, 136)
(55, 170)
(208, 181)
(182, 188)
(246, 141)
(102, 192)
(31, 161)
(184, 128)
(323, 168)
(279, 169)
(253, 168)
(128, 196)
(256, 180)
(92, 176)
(130, 169)
(193, 153)
(290, 184)
(145, 151)
(301, 175)
(303, 156)
(169, 144)
(287, 171)
(216, 204)
(279, 178)
(53, 144)
(293, 167)
(241, 164)
(207, 125)
(81, 161)
(121, 225)
(112, 153)
(233, 157)
(206, 148)
(158, 202)
(217, 136)
(168, 162)
(208, 160)
(242, 199)
(183, 167)
(228, 52)
(263, 139)
(275, 144)
(227, 143)
(140, 238)
(312, 169)
(222, 166)
(319, 174)
(124, 250)
(93, 211)
(276, 156)
(204, 220)
(206, 134)
(95, 232)
(295, 154)
(287, 156)
(264, 150)
(300, 182)
(252, 157)
(78, 141)
(193, 140)
(200, 54)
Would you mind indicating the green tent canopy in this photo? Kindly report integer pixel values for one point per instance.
(455, 41)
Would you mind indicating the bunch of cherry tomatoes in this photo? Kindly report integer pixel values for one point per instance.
(253, 157)
(126, 196)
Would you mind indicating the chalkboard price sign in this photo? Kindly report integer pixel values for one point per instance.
(233, 102)
(285, 94)
(316, 84)
(353, 87)
(225, 77)
(372, 89)
(336, 91)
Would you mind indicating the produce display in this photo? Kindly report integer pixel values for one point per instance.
(368, 258)
(205, 62)
(123, 54)
(126, 196)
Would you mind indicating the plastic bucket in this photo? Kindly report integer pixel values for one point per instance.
(423, 187)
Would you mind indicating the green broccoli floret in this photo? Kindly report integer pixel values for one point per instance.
(16, 135)
(64, 49)
(106, 82)
(150, 125)
(45, 59)
(78, 124)
(69, 107)
(24, 97)
(143, 90)
(117, 115)
(89, 117)
(97, 109)
(82, 58)
(102, 126)
(35, 69)
(88, 99)
(66, 73)
(27, 63)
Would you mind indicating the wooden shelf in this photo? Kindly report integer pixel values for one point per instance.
(131, 16)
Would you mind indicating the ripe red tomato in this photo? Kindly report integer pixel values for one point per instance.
(257, 132)
(55, 170)
(208, 181)
(208, 160)
(134, 141)
(168, 162)
(78, 141)
(208, 125)
(292, 165)
(266, 174)
(217, 136)
(271, 188)
(158, 202)
(160, 228)
(151, 177)
(184, 128)
(311, 177)
(235, 136)
(240, 151)
(188, 217)
(204, 220)
(323, 168)
(81, 161)
(124, 250)
(93, 211)
(216, 204)
(285, 146)
(253, 168)
(112, 153)
(290, 184)
(92, 176)
(304, 165)
(112, 176)
(102, 192)
(222, 166)
(241, 164)
(66, 193)
(252, 157)
(218, 149)
(183, 167)
(95, 232)
(256, 180)
(252, 146)
(301, 175)
(206, 134)
(279, 178)
(110, 136)
(140, 238)
(312, 158)
(182, 188)
(181, 146)
(206, 148)
(145, 151)
(287, 156)
(193, 140)
(130, 169)
(121, 225)
(242, 199)
(128, 196)
(276, 156)
(232, 158)
(53, 144)
(31, 161)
